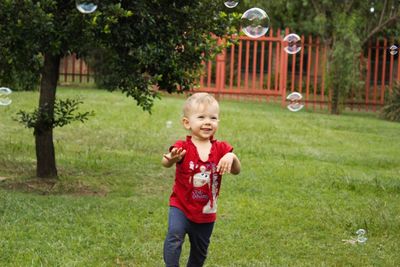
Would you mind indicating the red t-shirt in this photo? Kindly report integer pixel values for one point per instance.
(197, 183)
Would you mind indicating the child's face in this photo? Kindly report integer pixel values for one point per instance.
(202, 121)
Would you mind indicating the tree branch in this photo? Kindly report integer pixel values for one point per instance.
(383, 12)
(349, 6)
(380, 26)
(316, 6)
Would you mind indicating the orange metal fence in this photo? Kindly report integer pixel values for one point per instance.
(259, 68)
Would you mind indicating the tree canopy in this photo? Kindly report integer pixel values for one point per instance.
(150, 43)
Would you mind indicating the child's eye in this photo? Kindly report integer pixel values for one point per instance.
(200, 117)
(214, 118)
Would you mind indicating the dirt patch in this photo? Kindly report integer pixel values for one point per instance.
(52, 187)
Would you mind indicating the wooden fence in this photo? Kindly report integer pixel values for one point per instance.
(75, 70)
(259, 68)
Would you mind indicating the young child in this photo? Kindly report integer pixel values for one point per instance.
(200, 163)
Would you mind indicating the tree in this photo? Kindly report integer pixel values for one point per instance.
(153, 43)
(345, 27)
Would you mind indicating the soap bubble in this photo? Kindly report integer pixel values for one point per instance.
(294, 99)
(361, 239)
(86, 7)
(360, 232)
(255, 22)
(4, 93)
(393, 50)
(292, 43)
(231, 4)
(372, 9)
(168, 124)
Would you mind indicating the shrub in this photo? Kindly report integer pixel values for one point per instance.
(391, 111)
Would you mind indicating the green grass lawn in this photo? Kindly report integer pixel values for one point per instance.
(308, 181)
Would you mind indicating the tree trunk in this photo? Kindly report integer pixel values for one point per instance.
(46, 161)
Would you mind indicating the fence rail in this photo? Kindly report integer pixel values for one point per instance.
(259, 68)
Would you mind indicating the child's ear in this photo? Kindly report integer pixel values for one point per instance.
(185, 122)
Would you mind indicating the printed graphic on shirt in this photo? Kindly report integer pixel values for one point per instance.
(201, 179)
(211, 206)
(205, 186)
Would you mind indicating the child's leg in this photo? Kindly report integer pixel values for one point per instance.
(199, 236)
(177, 228)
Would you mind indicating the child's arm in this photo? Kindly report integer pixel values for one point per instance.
(173, 157)
(229, 163)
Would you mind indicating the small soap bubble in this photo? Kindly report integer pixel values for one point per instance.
(255, 22)
(292, 43)
(4, 99)
(360, 232)
(372, 9)
(231, 4)
(393, 50)
(362, 239)
(86, 7)
(168, 124)
(294, 102)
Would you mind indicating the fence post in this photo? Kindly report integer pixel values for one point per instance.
(283, 71)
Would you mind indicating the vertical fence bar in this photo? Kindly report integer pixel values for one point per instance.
(231, 74)
(247, 59)
(293, 80)
(322, 98)
(368, 76)
(73, 67)
(300, 90)
(376, 74)
(262, 65)
(239, 68)
(308, 69)
(278, 61)
(270, 47)
(359, 89)
(383, 78)
(391, 70)
(316, 66)
(87, 73)
(253, 87)
(80, 69)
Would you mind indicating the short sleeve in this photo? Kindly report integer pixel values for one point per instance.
(224, 147)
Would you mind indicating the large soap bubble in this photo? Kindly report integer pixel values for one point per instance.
(86, 7)
(294, 99)
(231, 4)
(393, 50)
(292, 43)
(255, 22)
(4, 99)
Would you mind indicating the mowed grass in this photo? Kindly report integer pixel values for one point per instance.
(308, 182)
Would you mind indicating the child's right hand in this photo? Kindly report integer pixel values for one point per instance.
(176, 155)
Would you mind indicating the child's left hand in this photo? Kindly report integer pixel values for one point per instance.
(225, 163)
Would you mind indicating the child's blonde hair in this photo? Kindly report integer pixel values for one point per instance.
(196, 100)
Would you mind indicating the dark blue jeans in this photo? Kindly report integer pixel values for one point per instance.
(199, 236)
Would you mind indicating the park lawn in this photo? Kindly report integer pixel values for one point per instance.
(308, 182)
